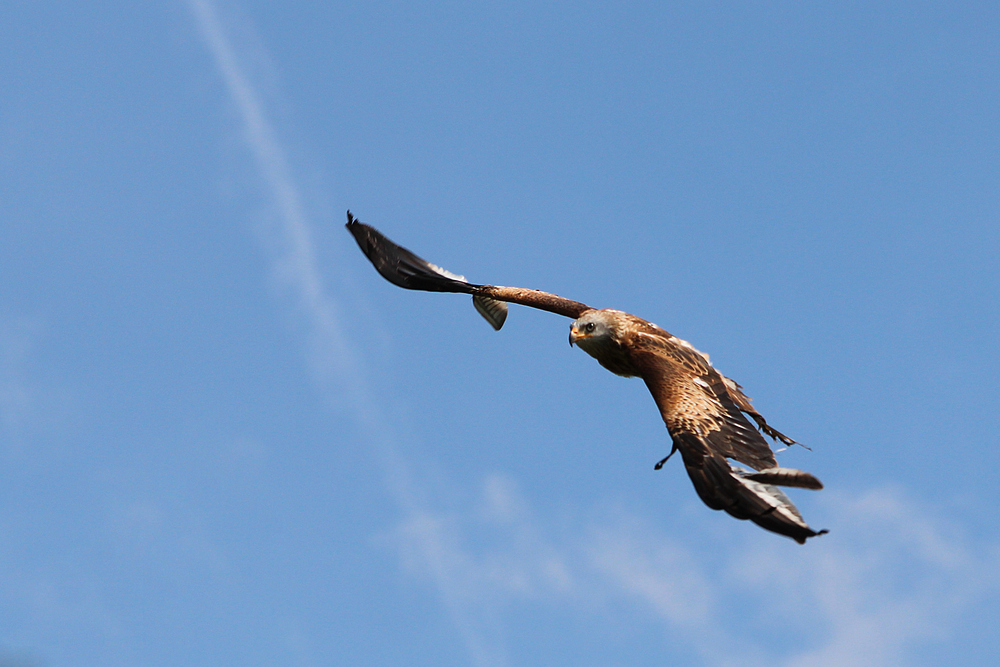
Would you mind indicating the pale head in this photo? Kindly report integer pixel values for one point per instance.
(599, 333)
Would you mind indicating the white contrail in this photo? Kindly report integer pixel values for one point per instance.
(300, 257)
(340, 361)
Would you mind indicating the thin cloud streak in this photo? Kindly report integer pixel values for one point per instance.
(299, 261)
(333, 356)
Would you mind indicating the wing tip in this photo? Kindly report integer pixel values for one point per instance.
(352, 222)
(359, 231)
(401, 266)
(801, 539)
(778, 514)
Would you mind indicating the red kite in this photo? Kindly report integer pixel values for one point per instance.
(705, 412)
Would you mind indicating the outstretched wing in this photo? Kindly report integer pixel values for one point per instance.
(708, 428)
(405, 269)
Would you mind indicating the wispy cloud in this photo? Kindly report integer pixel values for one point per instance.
(892, 579)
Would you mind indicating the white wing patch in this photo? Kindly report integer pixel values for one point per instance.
(446, 273)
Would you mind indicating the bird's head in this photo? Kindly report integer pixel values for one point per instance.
(593, 330)
(599, 334)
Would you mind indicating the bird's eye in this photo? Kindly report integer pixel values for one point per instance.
(589, 328)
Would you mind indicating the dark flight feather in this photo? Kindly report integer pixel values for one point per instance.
(400, 266)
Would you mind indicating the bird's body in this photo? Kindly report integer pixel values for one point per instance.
(705, 412)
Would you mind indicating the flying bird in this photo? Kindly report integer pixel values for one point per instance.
(705, 412)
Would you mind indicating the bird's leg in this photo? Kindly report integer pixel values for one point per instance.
(665, 459)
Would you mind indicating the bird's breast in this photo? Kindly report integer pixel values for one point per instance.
(611, 355)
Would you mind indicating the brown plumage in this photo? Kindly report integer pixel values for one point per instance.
(705, 412)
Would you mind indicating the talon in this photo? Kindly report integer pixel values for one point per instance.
(666, 458)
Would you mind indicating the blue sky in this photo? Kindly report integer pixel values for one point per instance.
(226, 440)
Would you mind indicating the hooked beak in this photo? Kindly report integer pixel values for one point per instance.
(575, 335)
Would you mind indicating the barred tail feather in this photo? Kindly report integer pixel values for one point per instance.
(493, 311)
(785, 477)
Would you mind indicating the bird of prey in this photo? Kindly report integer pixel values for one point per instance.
(704, 411)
